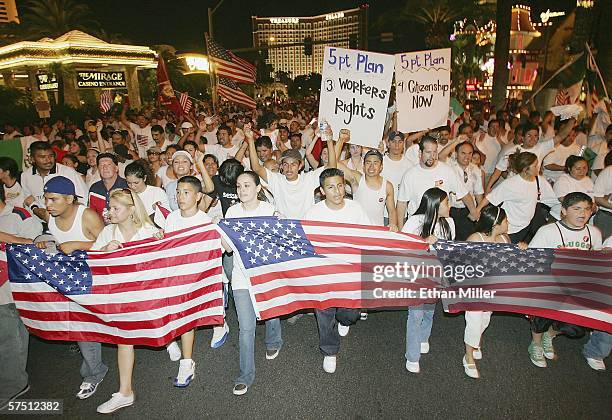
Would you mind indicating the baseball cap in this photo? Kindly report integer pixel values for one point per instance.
(92, 129)
(395, 134)
(291, 153)
(208, 120)
(182, 153)
(186, 124)
(60, 185)
(154, 149)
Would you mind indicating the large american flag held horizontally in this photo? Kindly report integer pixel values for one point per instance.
(146, 293)
(572, 286)
(295, 265)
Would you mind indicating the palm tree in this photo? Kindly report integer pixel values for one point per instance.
(437, 16)
(501, 73)
(52, 18)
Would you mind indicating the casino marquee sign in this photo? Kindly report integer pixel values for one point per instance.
(101, 79)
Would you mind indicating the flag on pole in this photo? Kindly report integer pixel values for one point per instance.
(185, 102)
(230, 91)
(146, 293)
(106, 101)
(229, 65)
(165, 93)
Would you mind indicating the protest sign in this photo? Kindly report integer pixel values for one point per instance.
(422, 84)
(355, 92)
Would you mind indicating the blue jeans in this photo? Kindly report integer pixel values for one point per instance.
(418, 329)
(599, 345)
(247, 322)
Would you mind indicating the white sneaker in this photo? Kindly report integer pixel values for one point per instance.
(343, 330)
(413, 367)
(425, 347)
(596, 364)
(186, 373)
(117, 401)
(477, 354)
(329, 364)
(219, 336)
(174, 351)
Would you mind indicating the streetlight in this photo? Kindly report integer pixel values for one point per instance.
(211, 12)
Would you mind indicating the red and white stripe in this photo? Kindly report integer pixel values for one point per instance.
(106, 101)
(577, 291)
(146, 293)
(236, 95)
(186, 102)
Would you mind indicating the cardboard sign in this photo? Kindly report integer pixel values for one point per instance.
(422, 84)
(355, 93)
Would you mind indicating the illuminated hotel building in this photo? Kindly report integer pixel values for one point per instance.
(337, 28)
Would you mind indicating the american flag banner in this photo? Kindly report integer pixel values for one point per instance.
(185, 102)
(227, 64)
(572, 286)
(146, 293)
(230, 91)
(295, 265)
(106, 101)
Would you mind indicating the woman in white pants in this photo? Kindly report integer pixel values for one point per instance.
(491, 227)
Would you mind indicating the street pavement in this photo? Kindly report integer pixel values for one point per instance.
(371, 380)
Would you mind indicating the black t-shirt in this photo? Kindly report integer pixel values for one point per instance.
(225, 193)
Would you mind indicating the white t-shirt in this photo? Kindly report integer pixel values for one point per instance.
(163, 175)
(558, 157)
(143, 139)
(519, 197)
(491, 149)
(222, 153)
(113, 233)
(175, 221)
(418, 180)
(541, 149)
(603, 185)
(152, 195)
(239, 278)
(412, 154)
(352, 212)
(559, 235)
(394, 170)
(294, 198)
(414, 226)
(473, 184)
(211, 137)
(601, 150)
(14, 195)
(567, 184)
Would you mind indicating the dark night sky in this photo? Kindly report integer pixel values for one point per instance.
(182, 23)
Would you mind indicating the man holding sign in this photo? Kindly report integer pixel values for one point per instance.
(354, 89)
(422, 81)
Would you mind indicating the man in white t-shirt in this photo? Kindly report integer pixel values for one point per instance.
(571, 232)
(334, 322)
(554, 162)
(141, 130)
(395, 164)
(428, 174)
(531, 134)
(224, 149)
(293, 191)
(490, 145)
(188, 215)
